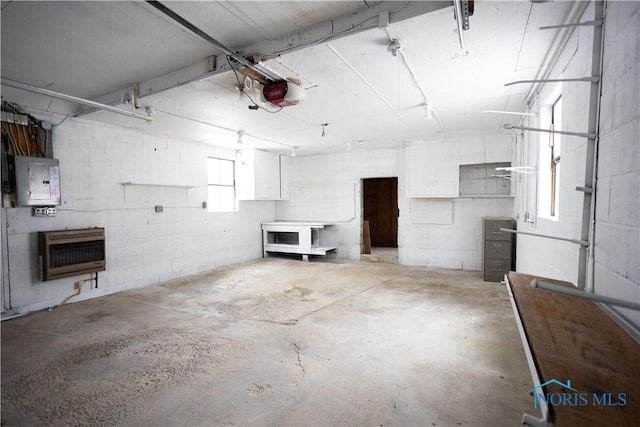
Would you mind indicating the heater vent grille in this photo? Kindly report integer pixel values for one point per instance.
(69, 253)
(76, 253)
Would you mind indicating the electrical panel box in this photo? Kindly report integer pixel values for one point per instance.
(37, 181)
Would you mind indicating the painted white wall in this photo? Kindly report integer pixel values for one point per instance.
(617, 231)
(328, 188)
(143, 247)
(457, 245)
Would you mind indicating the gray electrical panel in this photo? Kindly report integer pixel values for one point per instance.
(37, 181)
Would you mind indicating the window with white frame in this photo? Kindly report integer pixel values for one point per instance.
(221, 180)
(554, 155)
(549, 159)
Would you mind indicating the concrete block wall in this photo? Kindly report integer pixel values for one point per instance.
(456, 246)
(143, 247)
(616, 270)
(617, 229)
(331, 191)
(545, 257)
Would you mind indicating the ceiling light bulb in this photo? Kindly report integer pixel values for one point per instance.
(394, 47)
(240, 134)
(293, 152)
(428, 111)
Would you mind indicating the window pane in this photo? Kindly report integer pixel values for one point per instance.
(557, 125)
(213, 170)
(221, 190)
(549, 159)
(214, 198)
(227, 199)
(555, 158)
(226, 172)
(221, 199)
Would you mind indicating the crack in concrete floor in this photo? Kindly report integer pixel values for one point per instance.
(299, 364)
(371, 345)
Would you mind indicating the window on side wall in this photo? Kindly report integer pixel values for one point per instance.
(554, 155)
(549, 159)
(221, 180)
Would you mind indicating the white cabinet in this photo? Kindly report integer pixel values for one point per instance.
(285, 173)
(267, 175)
(433, 167)
(494, 148)
(432, 170)
(258, 175)
(498, 148)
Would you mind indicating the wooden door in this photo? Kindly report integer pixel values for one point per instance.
(381, 210)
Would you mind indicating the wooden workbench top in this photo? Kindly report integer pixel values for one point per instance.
(573, 339)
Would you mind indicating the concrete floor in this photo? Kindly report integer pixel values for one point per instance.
(274, 342)
(384, 255)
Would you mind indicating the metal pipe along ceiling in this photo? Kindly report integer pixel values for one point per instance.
(213, 42)
(369, 85)
(42, 91)
(457, 4)
(427, 102)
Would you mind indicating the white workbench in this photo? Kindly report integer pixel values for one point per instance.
(295, 237)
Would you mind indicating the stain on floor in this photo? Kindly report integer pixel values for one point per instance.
(274, 342)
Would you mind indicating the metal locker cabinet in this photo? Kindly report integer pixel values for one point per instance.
(499, 248)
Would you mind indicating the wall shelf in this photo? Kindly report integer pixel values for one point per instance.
(149, 184)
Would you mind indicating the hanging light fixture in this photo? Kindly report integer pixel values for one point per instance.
(293, 152)
(428, 111)
(394, 47)
(240, 135)
(396, 50)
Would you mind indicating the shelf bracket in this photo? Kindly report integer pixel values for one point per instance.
(580, 79)
(597, 23)
(535, 283)
(528, 170)
(546, 236)
(587, 190)
(561, 132)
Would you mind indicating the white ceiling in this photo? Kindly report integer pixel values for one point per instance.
(353, 83)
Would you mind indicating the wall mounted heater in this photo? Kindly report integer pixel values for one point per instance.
(67, 253)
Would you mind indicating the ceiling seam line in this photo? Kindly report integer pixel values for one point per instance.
(369, 85)
(415, 79)
(524, 35)
(244, 133)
